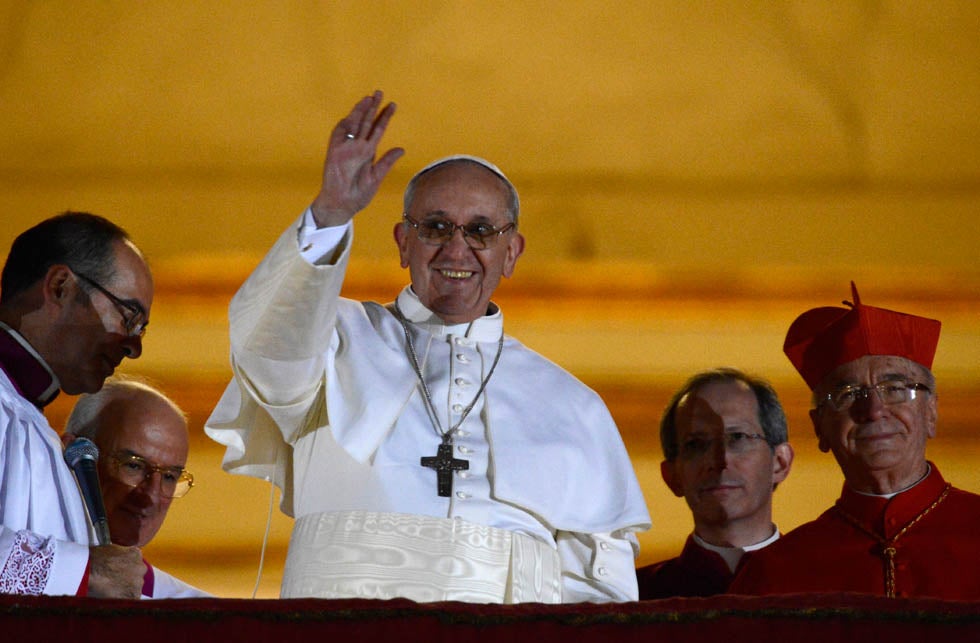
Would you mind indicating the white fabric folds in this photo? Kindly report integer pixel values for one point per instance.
(366, 554)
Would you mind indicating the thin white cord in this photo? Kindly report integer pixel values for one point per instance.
(265, 539)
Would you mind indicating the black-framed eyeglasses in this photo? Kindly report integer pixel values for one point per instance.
(133, 470)
(135, 322)
(437, 231)
(889, 392)
(736, 443)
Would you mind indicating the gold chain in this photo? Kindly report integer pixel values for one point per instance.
(888, 550)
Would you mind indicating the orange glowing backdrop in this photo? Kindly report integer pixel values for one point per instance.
(693, 175)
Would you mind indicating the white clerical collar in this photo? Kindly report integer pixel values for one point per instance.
(731, 555)
(895, 493)
(483, 329)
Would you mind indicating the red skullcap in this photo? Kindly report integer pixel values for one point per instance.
(823, 338)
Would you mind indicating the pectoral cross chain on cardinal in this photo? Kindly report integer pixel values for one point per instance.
(445, 464)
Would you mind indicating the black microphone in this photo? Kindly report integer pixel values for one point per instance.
(82, 456)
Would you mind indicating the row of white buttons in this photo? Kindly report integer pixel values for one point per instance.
(601, 570)
(458, 408)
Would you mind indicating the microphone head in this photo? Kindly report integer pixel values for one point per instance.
(81, 449)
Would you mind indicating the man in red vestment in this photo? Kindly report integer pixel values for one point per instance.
(898, 529)
(723, 436)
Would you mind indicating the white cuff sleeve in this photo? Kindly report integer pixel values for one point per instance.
(70, 561)
(598, 568)
(317, 245)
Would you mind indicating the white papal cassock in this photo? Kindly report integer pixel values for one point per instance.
(326, 404)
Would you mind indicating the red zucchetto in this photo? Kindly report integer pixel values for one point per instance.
(823, 338)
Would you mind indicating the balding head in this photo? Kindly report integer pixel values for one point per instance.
(127, 419)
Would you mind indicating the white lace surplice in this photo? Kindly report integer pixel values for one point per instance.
(45, 533)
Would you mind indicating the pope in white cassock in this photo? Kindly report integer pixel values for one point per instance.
(424, 453)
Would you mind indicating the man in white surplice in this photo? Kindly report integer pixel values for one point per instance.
(75, 297)
(424, 453)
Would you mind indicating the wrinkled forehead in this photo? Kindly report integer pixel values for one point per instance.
(144, 426)
(461, 189)
(462, 163)
(872, 369)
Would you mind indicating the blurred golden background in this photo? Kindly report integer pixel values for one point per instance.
(693, 175)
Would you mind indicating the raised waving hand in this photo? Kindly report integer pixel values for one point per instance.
(351, 175)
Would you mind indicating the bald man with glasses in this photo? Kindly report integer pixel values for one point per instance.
(898, 529)
(75, 299)
(143, 445)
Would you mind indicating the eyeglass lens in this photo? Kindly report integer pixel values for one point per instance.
(736, 442)
(134, 322)
(889, 392)
(134, 471)
(439, 230)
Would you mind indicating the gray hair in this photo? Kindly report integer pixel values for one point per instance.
(513, 201)
(772, 418)
(84, 417)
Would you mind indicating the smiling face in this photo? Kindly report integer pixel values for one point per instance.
(730, 494)
(453, 280)
(880, 448)
(138, 423)
(88, 337)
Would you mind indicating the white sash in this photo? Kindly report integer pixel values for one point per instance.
(364, 554)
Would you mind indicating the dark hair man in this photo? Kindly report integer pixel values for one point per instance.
(75, 299)
(724, 439)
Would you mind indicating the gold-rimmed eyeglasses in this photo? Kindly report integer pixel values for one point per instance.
(437, 231)
(133, 470)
